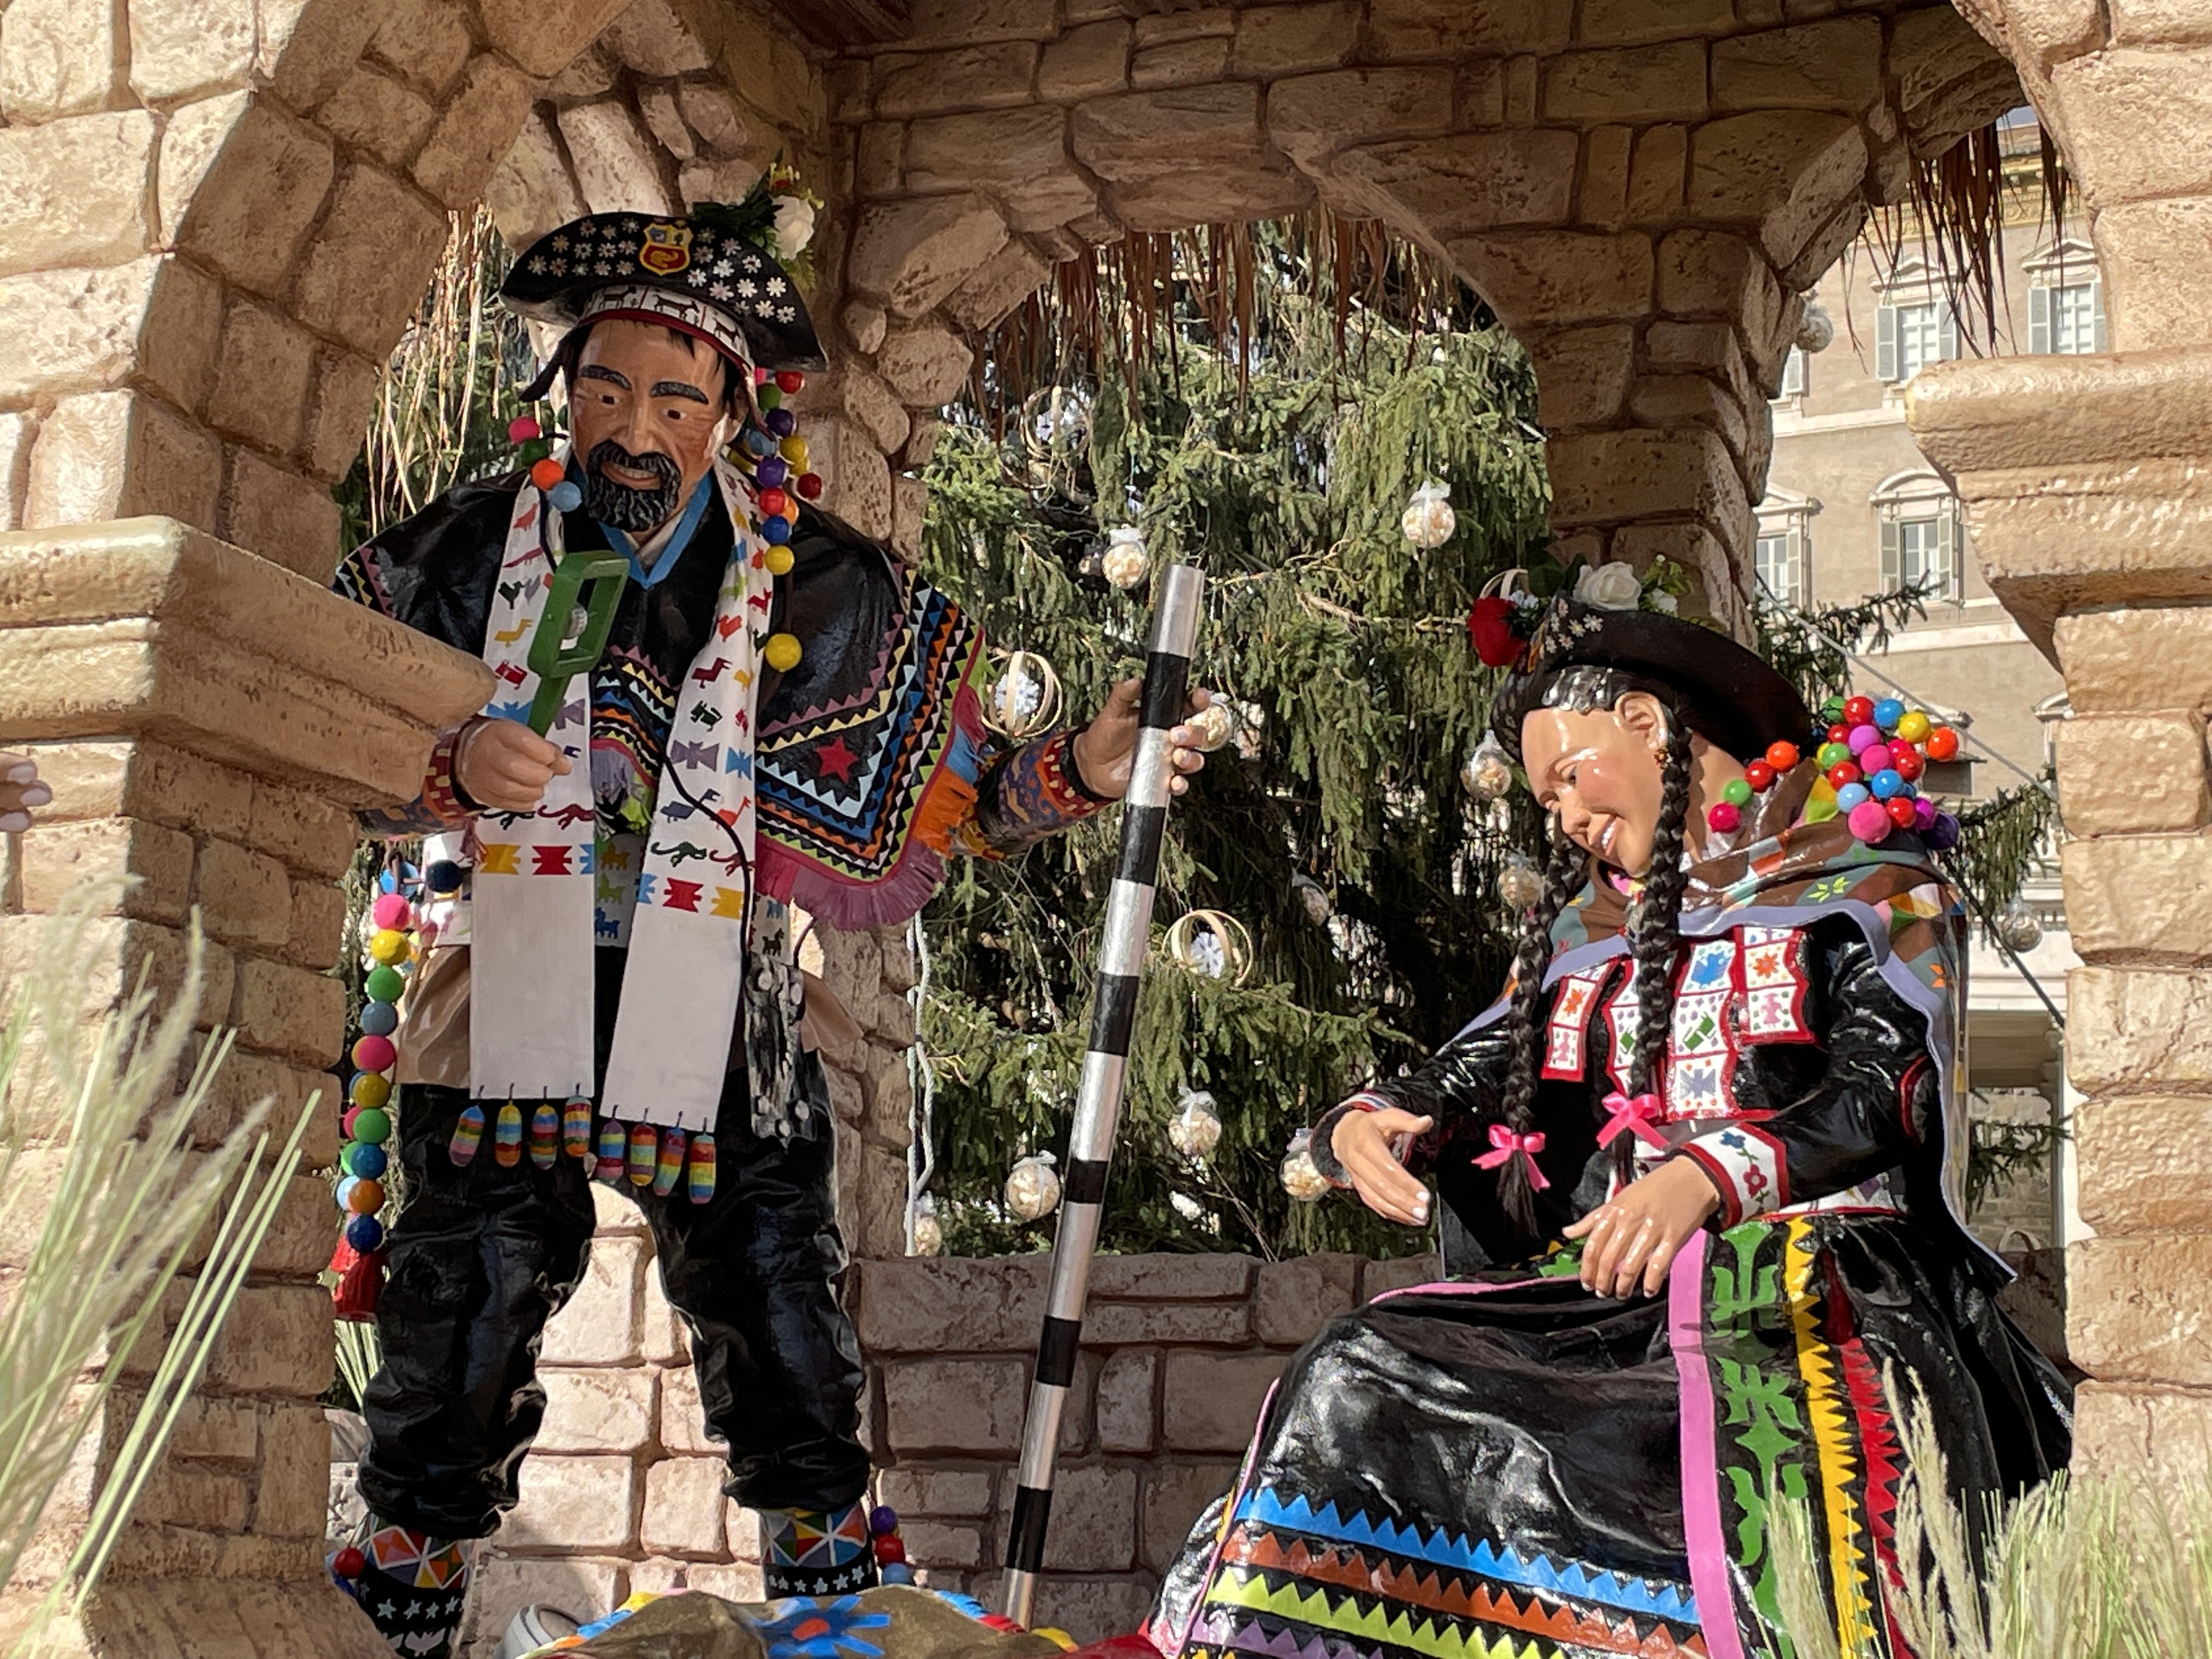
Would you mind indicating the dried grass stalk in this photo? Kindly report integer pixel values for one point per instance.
(101, 1202)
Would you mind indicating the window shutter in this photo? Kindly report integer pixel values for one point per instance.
(2038, 319)
(1793, 373)
(1890, 557)
(1947, 550)
(2097, 311)
(1885, 343)
(1800, 581)
(1946, 346)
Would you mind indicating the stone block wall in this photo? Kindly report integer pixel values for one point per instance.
(623, 1490)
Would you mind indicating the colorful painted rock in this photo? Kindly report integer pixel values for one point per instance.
(545, 1135)
(670, 1169)
(611, 1152)
(644, 1154)
(576, 1127)
(699, 1184)
(506, 1136)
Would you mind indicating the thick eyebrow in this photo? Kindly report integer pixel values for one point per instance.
(601, 372)
(678, 389)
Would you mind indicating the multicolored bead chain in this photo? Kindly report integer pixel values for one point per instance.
(364, 1159)
(1872, 754)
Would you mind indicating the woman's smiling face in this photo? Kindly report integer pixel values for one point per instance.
(1600, 772)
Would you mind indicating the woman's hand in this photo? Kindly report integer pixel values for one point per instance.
(20, 791)
(1363, 1143)
(504, 766)
(1105, 749)
(1634, 1235)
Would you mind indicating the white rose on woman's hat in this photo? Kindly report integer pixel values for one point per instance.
(1609, 587)
(794, 225)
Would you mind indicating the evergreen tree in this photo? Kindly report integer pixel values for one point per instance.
(1255, 447)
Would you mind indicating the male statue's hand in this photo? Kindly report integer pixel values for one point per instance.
(1105, 749)
(1365, 1144)
(504, 766)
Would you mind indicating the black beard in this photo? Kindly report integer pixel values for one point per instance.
(618, 506)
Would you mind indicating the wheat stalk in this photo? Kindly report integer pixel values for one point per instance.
(102, 1203)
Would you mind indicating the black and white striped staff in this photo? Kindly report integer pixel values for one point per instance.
(1105, 1067)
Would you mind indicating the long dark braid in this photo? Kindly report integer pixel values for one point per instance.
(1654, 937)
(1566, 871)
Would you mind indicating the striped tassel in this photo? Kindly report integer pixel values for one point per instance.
(609, 1167)
(644, 1155)
(506, 1136)
(670, 1169)
(576, 1127)
(545, 1135)
(468, 1136)
(702, 1182)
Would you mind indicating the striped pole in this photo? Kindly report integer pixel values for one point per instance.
(1098, 1099)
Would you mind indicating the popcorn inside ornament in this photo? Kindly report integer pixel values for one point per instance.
(1301, 1177)
(1032, 1188)
(1125, 562)
(1488, 773)
(1195, 1130)
(1428, 520)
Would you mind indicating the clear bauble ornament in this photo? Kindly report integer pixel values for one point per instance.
(1032, 1188)
(1126, 562)
(1187, 1207)
(1428, 520)
(1302, 1178)
(1488, 772)
(1212, 943)
(1520, 883)
(1816, 331)
(1215, 724)
(1251, 720)
(1195, 1130)
(1026, 699)
(928, 1231)
(1314, 896)
(2019, 926)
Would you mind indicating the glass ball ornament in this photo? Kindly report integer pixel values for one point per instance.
(1816, 329)
(1301, 1177)
(1428, 520)
(2019, 926)
(1195, 1130)
(1215, 724)
(1032, 1188)
(1488, 772)
(1520, 883)
(1125, 562)
(928, 1231)
(1314, 896)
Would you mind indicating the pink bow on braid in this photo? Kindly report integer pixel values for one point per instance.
(1633, 1115)
(1509, 1144)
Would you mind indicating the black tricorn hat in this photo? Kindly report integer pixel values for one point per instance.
(1734, 696)
(707, 274)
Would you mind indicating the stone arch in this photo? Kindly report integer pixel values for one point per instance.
(2082, 479)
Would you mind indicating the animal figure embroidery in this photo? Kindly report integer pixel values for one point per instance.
(679, 853)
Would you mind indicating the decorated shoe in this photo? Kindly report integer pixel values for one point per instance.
(413, 1587)
(817, 1551)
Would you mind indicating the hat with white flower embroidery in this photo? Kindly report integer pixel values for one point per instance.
(723, 274)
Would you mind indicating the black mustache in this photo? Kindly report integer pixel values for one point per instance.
(607, 452)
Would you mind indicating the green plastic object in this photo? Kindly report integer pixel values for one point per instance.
(555, 661)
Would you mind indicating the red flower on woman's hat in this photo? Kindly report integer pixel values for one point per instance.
(1490, 630)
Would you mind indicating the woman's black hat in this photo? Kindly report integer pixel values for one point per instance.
(1734, 696)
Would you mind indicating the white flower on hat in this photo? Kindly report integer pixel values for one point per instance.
(1608, 586)
(794, 225)
(1663, 602)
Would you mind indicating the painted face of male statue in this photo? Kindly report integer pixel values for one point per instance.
(1600, 772)
(647, 411)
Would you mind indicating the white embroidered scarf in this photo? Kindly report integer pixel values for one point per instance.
(531, 932)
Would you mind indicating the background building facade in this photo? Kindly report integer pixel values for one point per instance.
(1853, 507)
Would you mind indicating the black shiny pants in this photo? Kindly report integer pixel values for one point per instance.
(481, 1257)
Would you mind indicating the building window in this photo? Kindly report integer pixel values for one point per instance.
(1919, 518)
(2066, 317)
(1916, 324)
(1793, 373)
(1778, 560)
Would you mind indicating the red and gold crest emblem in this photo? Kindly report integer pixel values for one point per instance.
(666, 249)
